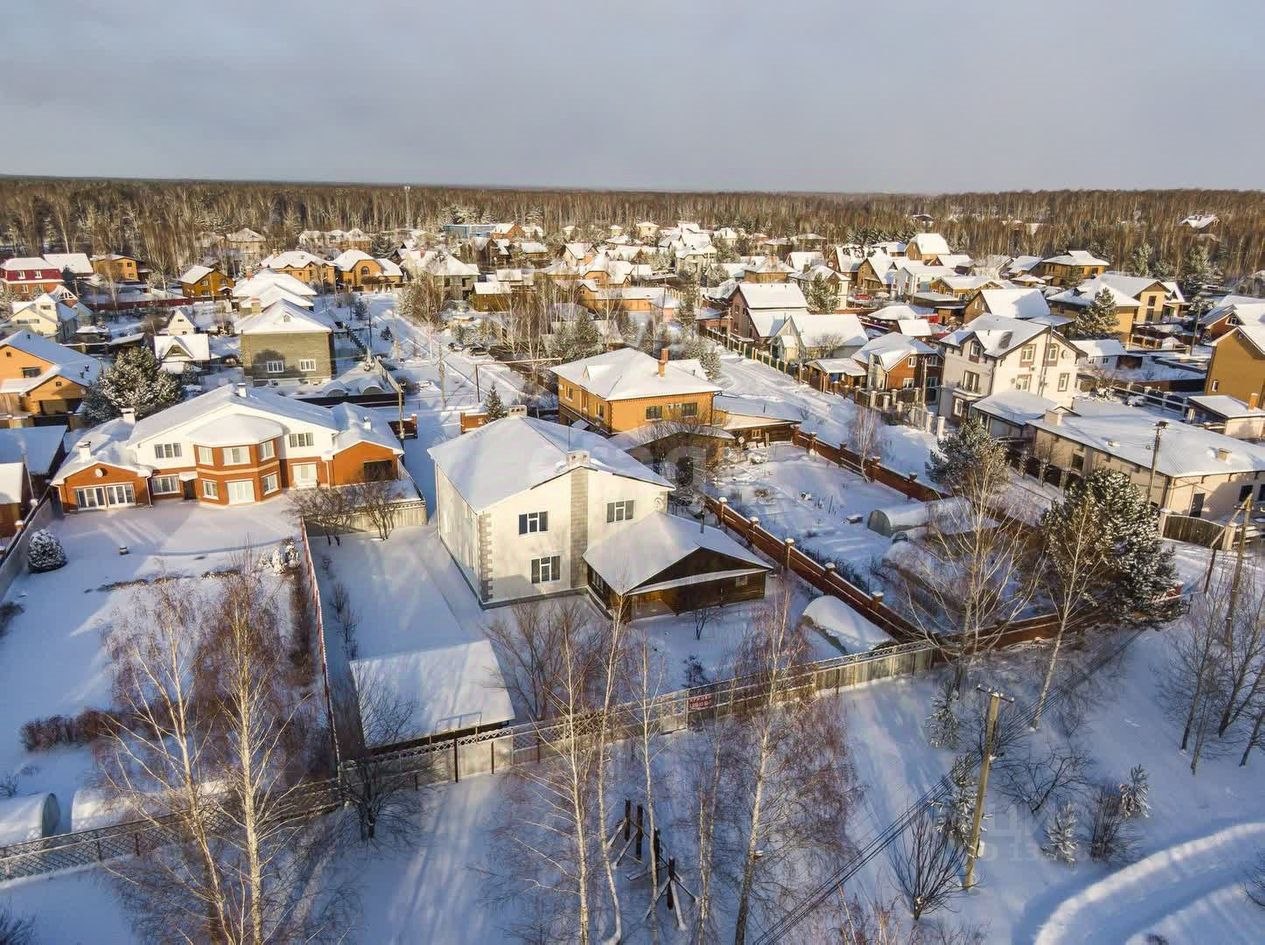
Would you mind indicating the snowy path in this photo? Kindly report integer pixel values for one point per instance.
(1190, 889)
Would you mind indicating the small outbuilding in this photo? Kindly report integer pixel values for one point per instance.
(894, 519)
(31, 817)
(664, 563)
(843, 626)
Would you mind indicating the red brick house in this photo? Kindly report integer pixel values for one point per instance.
(233, 446)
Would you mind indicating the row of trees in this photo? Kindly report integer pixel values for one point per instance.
(162, 220)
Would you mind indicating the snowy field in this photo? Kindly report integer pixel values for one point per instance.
(52, 661)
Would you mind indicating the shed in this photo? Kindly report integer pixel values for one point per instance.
(900, 518)
(843, 625)
(26, 818)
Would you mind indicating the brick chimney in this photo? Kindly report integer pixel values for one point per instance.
(128, 415)
(1253, 401)
(663, 361)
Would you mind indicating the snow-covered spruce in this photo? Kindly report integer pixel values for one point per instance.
(44, 553)
(1060, 834)
(943, 727)
(282, 559)
(1134, 795)
(136, 380)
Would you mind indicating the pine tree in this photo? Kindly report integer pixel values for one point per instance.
(135, 380)
(383, 245)
(1142, 567)
(1135, 795)
(1098, 320)
(588, 340)
(711, 363)
(494, 407)
(1140, 260)
(943, 727)
(962, 453)
(822, 295)
(1060, 835)
(44, 552)
(1197, 270)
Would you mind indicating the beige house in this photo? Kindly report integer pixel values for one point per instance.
(994, 353)
(1070, 268)
(624, 389)
(1198, 473)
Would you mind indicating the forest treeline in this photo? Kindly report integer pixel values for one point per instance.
(160, 221)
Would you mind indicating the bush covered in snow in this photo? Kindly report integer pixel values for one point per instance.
(44, 553)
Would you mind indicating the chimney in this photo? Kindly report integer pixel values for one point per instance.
(663, 361)
(1054, 418)
(1253, 401)
(129, 414)
(239, 390)
(367, 423)
(1223, 454)
(577, 458)
(84, 448)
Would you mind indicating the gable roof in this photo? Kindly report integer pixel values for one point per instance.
(195, 273)
(627, 373)
(930, 244)
(63, 361)
(1076, 257)
(1015, 303)
(78, 263)
(268, 279)
(772, 295)
(891, 349)
(661, 541)
(997, 334)
(517, 453)
(283, 317)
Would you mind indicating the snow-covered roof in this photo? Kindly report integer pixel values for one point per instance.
(1246, 310)
(194, 273)
(21, 263)
(930, 244)
(37, 446)
(661, 540)
(815, 331)
(1082, 296)
(27, 817)
(890, 349)
(997, 334)
(1014, 406)
(1015, 303)
(291, 259)
(1076, 257)
(899, 311)
(915, 327)
(844, 625)
(267, 278)
(777, 411)
(1099, 347)
(1224, 406)
(12, 480)
(194, 347)
(627, 373)
(1128, 433)
(283, 317)
(782, 296)
(78, 263)
(517, 453)
(349, 259)
(62, 361)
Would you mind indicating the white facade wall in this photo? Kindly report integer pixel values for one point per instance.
(458, 528)
(1050, 373)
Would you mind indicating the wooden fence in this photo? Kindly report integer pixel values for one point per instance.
(907, 485)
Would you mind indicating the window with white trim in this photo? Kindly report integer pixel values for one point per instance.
(236, 455)
(164, 485)
(1027, 354)
(166, 450)
(206, 456)
(299, 440)
(271, 484)
(275, 367)
(210, 489)
(1064, 378)
(307, 365)
(620, 511)
(303, 475)
(546, 570)
(267, 450)
(531, 522)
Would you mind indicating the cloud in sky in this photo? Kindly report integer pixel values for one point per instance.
(693, 94)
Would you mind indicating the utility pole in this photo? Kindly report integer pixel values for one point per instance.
(1160, 425)
(986, 763)
(443, 375)
(1224, 540)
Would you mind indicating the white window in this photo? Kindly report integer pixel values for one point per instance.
(303, 475)
(210, 489)
(166, 450)
(531, 522)
(1215, 386)
(92, 498)
(546, 570)
(275, 367)
(120, 494)
(270, 484)
(621, 511)
(307, 365)
(1027, 354)
(164, 485)
(1023, 382)
(267, 450)
(236, 456)
(298, 440)
(206, 456)
(241, 491)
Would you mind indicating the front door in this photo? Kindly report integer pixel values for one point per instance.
(1197, 505)
(241, 491)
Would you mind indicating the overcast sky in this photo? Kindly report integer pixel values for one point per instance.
(690, 94)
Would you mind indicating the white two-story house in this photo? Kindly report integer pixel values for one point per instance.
(994, 353)
(520, 500)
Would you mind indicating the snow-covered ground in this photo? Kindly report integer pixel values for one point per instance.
(52, 661)
(811, 499)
